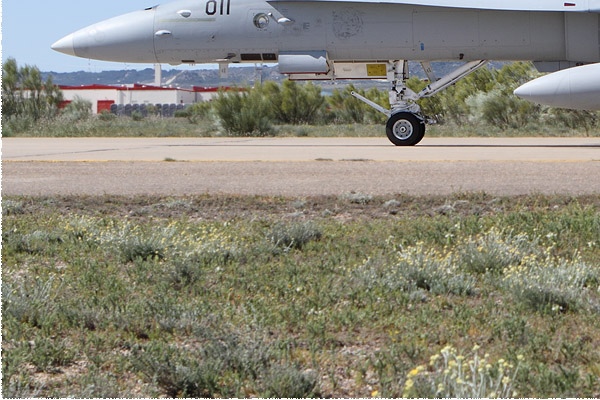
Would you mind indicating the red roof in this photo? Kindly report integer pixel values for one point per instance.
(138, 86)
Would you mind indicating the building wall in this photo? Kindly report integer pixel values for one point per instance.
(92, 95)
(103, 95)
(135, 95)
(145, 96)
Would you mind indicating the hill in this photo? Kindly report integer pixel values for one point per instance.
(238, 75)
(172, 77)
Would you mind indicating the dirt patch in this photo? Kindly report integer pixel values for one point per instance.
(348, 207)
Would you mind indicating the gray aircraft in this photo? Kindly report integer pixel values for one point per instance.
(367, 39)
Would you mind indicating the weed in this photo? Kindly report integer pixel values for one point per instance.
(29, 302)
(36, 242)
(289, 382)
(178, 374)
(451, 375)
(555, 285)
(49, 355)
(12, 207)
(293, 236)
(357, 198)
(495, 251)
(228, 296)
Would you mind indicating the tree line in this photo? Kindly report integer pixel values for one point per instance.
(483, 98)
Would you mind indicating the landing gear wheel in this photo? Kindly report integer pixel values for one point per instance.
(405, 129)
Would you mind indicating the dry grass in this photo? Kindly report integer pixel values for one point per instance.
(234, 296)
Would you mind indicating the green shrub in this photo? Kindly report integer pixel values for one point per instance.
(574, 119)
(293, 103)
(498, 108)
(106, 116)
(77, 110)
(346, 108)
(49, 354)
(137, 116)
(244, 112)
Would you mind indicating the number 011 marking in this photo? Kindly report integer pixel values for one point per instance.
(222, 6)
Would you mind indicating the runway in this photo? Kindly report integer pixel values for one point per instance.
(298, 166)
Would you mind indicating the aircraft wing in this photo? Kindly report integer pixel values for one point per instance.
(500, 5)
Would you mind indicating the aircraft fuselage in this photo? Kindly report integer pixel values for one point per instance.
(365, 39)
(208, 31)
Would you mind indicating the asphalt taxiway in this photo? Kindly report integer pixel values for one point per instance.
(298, 166)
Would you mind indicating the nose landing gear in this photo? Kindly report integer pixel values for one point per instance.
(406, 124)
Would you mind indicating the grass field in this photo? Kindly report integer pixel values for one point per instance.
(351, 296)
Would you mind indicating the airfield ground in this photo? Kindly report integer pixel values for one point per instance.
(349, 292)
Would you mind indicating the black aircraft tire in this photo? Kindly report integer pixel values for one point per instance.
(405, 129)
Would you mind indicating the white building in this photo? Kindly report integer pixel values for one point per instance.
(103, 97)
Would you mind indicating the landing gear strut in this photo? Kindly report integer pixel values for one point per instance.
(406, 123)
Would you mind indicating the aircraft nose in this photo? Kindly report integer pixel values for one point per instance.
(126, 38)
(64, 45)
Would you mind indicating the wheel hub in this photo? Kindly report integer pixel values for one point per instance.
(403, 129)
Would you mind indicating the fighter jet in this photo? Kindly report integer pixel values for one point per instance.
(367, 39)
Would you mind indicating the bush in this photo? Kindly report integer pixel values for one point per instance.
(503, 110)
(348, 109)
(106, 116)
(137, 116)
(199, 112)
(294, 103)
(574, 119)
(77, 110)
(244, 112)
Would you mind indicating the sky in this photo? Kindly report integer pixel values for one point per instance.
(29, 27)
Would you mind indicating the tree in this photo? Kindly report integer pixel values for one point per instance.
(25, 95)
